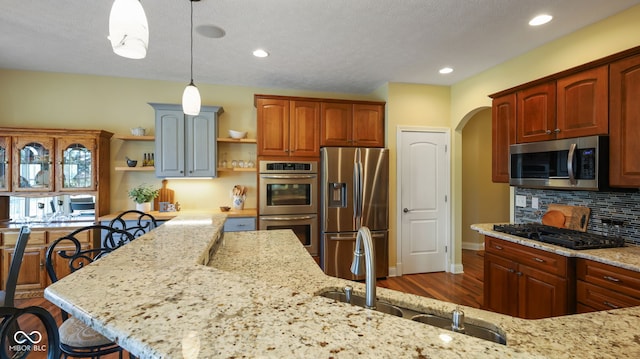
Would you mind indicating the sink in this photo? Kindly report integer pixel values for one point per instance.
(477, 329)
(482, 332)
(359, 301)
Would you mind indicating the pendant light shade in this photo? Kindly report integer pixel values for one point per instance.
(191, 96)
(128, 29)
(191, 100)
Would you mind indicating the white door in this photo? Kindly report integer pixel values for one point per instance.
(424, 177)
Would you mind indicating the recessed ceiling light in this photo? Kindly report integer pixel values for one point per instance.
(260, 53)
(540, 20)
(446, 70)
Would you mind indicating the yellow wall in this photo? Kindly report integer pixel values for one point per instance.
(482, 200)
(54, 100)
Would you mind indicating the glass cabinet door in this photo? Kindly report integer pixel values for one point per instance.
(76, 164)
(5, 166)
(33, 164)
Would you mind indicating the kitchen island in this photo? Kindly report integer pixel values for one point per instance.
(184, 291)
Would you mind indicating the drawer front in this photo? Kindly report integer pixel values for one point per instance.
(83, 237)
(240, 224)
(36, 237)
(532, 257)
(602, 298)
(607, 276)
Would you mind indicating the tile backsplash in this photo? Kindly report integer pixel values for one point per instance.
(618, 206)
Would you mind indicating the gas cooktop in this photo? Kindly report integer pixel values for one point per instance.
(559, 236)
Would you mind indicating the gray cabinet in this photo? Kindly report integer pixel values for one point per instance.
(185, 145)
(237, 224)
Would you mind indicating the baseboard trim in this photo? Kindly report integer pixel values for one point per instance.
(456, 268)
(392, 272)
(473, 246)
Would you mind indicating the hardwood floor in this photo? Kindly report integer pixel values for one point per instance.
(464, 289)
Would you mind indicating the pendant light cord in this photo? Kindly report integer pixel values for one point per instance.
(191, 2)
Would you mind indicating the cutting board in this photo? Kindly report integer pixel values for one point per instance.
(576, 217)
(164, 195)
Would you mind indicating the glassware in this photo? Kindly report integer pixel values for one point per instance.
(223, 163)
(251, 163)
(234, 163)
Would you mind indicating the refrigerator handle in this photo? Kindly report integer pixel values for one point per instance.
(358, 194)
(356, 189)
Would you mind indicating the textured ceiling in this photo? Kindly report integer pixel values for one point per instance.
(351, 46)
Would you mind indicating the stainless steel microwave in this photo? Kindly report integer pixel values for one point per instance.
(580, 163)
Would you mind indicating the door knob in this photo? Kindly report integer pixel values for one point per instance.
(406, 210)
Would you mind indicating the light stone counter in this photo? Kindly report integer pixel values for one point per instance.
(257, 298)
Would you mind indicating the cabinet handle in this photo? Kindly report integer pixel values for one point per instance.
(497, 247)
(557, 130)
(548, 132)
(511, 270)
(539, 260)
(41, 264)
(611, 305)
(611, 279)
(519, 274)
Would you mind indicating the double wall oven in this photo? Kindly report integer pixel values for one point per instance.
(288, 199)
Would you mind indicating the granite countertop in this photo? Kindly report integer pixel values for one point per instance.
(165, 216)
(257, 297)
(624, 257)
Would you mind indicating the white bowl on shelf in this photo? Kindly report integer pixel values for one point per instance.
(237, 134)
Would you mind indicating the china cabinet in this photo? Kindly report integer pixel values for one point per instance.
(55, 161)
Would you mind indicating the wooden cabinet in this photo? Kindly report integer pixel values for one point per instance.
(185, 146)
(35, 161)
(526, 282)
(603, 287)
(503, 135)
(5, 163)
(288, 127)
(33, 278)
(624, 122)
(351, 124)
(583, 103)
(536, 113)
(572, 106)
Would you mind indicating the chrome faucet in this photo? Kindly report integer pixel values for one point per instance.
(358, 266)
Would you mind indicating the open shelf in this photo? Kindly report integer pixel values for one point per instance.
(236, 169)
(136, 169)
(238, 140)
(135, 138)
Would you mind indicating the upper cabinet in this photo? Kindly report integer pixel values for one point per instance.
(185, 146)
(624, 122)
(583, 103)
(504, 135)
(5, 163)
(56, 161)
(573, 106)
(352, 124)
(288, 127)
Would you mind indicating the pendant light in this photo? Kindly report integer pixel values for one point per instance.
(191, 96)
(128, 29)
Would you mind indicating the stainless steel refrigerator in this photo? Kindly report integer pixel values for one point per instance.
(354, 192)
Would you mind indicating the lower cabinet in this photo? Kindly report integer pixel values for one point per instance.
(33, 278)
(237, 224)
(601, 286)
(526, 282)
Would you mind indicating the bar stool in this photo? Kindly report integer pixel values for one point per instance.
(7, 295)
(141, 224)
(66, 255)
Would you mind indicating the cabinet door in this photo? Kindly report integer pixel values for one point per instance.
(624, 122)
(169, 159)
(62, 267)
(368, 125)
(5, 164)
(536, 113)
(540, 294)
(583, 103)
(304, 129)
(273, 127)
(76, 164)
(504, 135)
(32, 164)
(32, 273)
(201, 145)
(500, 285)
(336, 124)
